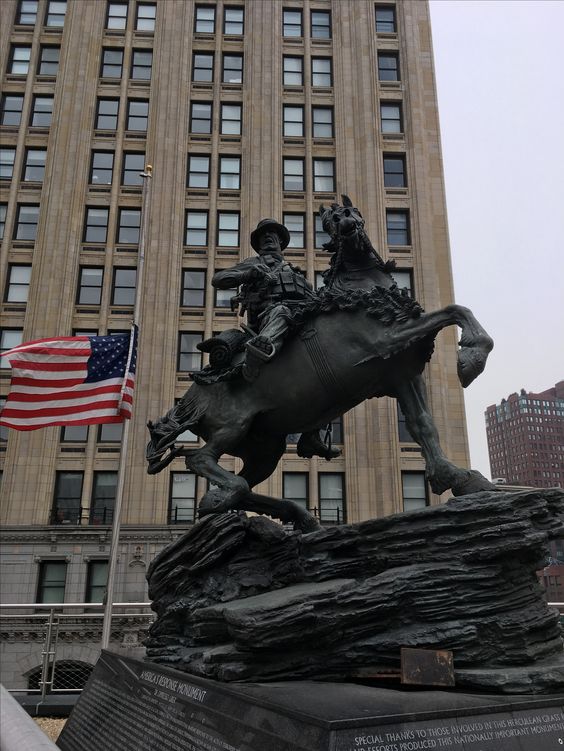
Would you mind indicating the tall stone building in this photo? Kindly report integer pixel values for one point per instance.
(245, 109)
(526, 438)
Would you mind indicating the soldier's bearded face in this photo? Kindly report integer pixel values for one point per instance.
(269, 242)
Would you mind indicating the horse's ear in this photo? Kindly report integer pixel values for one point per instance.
(321, 210)
(347, 201)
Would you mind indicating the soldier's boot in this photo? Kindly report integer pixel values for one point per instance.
(258, 351)
(310, 444)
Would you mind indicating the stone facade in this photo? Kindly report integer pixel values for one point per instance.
(376, 455)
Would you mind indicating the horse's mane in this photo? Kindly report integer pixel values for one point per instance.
(335, 247)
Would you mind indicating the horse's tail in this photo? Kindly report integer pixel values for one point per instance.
(183, 416)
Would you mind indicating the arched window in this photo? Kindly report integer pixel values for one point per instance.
(69, 674)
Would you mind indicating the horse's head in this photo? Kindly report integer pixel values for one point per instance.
(343, 222)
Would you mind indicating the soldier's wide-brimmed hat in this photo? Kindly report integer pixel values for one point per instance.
(266, 224)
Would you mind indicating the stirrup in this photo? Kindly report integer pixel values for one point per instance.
(254, 348)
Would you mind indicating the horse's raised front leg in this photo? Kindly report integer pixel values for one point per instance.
(475, 342)
(442, 474)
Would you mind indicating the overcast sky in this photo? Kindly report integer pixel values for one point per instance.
(500, 80)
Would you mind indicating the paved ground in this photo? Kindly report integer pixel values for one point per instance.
(51, 726)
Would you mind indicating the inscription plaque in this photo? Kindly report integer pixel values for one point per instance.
(130, 705)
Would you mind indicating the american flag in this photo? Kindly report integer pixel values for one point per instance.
(72, 380)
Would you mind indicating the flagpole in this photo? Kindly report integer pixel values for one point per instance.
(116, 521)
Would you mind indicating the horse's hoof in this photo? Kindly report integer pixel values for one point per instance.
(472, 482)
(213, 502)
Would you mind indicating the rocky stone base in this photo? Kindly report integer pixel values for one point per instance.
(242, 599)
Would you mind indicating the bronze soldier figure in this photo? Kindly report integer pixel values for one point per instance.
(271, 289)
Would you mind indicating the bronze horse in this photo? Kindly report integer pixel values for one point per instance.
(362, 338)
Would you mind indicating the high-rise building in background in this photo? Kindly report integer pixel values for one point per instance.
(526, 438)
(245, 109)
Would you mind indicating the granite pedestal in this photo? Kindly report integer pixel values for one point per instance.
(130, 705)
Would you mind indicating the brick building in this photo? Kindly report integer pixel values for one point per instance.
(526, 438)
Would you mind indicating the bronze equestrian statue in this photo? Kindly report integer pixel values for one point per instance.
(360, 337)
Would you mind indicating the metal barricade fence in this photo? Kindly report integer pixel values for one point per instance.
(55, 625)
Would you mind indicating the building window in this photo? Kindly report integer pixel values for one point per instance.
(133, 166)
(321, 236)
(96, 225)
(96, 581)
(295, 223)
(3, 212)
(117, 16)
(230, 119)
(27, 12)
(137, 114)
(293, 174)
(385, 19)
(337, 430)
(388, 66)
(146, 15)
(26, 222)
(414, 489)
(42, 112)
(197, 228)
(292, 23)
(230, 172)
(322, 122)
(182, 502)
(34, 167)
(332, 498)
(193, 288)
(205, 19)
(7, 159)
(404, 279)
(11, 110)
(198, 174)
(123, 288)
(9, 338)
(397, 227)
(394, 171)
(295, 487)
(102, 167)
(110, 432)
(293, 121)
(56, 14)
(232, 69)
(90, 285)
(128, 226)
(103, 497)
(223, 297)
(321, 72)
(17, 288)
(228, 229)
(18, 63)
(51, 583)
(200, 117)
(324, 175)
(320, 24)
(293, 71)
(49, 61)
(233, 21)
(107, 114)
(202, 67)
(390, 118)
(141, 64)
(67, 499)
(404, 436)
(74, 434)
(189, 356)
(112, 63)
